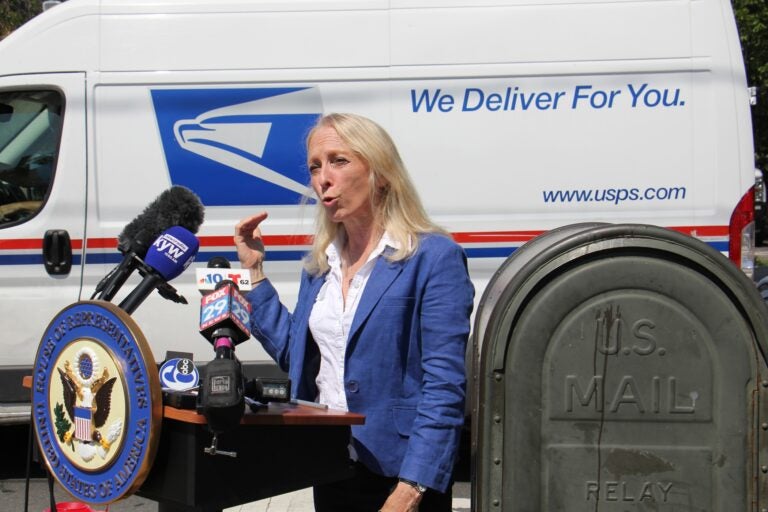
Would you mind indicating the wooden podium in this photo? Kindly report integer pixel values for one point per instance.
(280, 449)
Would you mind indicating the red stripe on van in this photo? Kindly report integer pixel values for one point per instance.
(34, 243)
(495, 236)
(473, 237)
(102, 243)
(698, 231)
(219, 241)
(214, 241)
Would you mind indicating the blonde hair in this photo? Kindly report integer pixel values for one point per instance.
(396, 204)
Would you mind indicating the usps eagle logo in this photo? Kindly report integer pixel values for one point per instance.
(238, 146)
(81, 420)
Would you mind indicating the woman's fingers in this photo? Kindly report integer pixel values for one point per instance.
(250, 247)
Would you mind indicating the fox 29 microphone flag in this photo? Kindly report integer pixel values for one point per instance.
(225, 313)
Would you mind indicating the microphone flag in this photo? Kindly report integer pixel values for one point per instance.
(225, 308)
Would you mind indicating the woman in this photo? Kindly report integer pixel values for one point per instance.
(381, 323)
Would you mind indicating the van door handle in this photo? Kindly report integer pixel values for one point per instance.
(57, 252)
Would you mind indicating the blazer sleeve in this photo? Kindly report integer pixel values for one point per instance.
(448, 298)
(271, 322)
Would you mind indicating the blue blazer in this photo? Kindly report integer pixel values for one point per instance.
(404, 363)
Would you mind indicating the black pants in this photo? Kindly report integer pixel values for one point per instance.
(367, 492)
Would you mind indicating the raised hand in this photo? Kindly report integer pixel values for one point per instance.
(250, 246)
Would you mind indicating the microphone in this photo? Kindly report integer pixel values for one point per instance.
(177, 206)
(224, 312)
(221, 398)
(169, 255)
(225, 322)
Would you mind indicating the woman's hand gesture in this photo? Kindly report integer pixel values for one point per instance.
(250, 247)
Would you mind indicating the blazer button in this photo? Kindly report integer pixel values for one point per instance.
(353, 386)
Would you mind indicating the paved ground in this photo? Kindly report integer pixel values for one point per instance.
(12, 499)
(13, 486)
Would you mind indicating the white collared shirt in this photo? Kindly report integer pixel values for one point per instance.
(330, 321)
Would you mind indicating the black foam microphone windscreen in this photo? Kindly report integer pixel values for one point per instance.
(177, 206)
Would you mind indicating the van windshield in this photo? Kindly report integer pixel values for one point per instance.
(30, 128)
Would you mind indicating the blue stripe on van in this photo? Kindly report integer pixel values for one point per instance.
(489, 252)
(29, 259)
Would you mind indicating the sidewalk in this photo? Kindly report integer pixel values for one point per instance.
(12, 499)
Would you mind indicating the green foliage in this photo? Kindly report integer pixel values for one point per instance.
(14, 13)
(62, 424)
(752, 20)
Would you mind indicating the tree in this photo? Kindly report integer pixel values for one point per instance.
(14, 13)
(752, 20)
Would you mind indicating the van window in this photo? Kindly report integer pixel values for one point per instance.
(30, 128)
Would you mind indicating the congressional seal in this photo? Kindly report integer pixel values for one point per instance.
(96, 402)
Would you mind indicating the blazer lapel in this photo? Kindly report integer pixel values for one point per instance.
(382, 275)
(314, 285)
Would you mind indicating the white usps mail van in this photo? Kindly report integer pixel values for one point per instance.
(513, 116)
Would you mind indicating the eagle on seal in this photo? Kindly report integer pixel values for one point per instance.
(87, 400)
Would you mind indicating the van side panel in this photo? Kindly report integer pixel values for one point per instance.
(513, 117)
(539, 32)
(248, 39)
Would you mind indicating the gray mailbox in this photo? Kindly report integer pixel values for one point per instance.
(620, 368)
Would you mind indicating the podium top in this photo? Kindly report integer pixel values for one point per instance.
(273, 414)
(276, 414)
